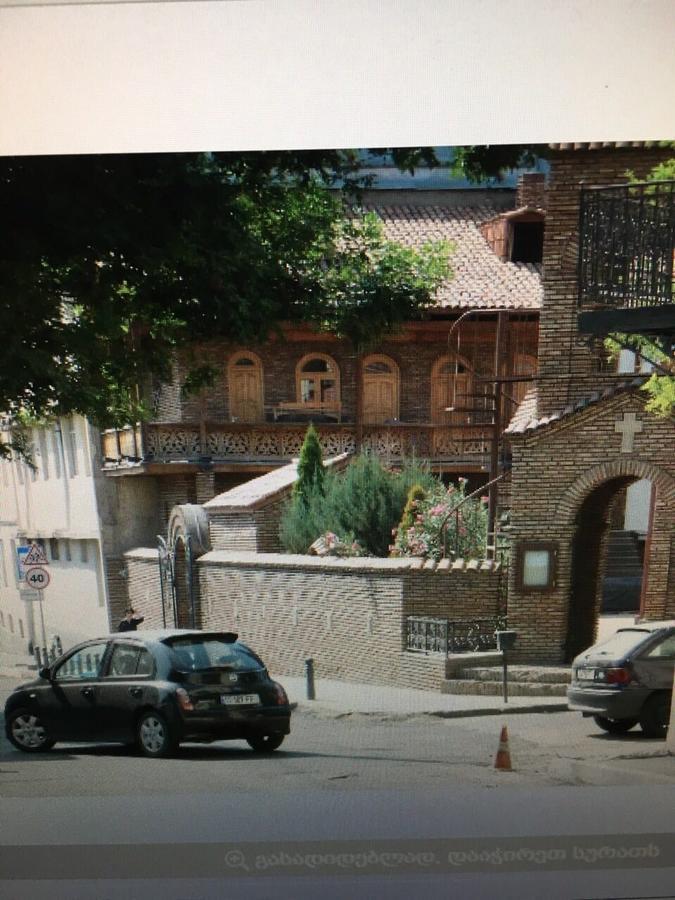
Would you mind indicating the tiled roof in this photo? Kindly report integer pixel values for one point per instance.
(525, 419)
(480, 279)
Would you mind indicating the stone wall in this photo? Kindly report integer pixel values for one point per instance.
(348, 615)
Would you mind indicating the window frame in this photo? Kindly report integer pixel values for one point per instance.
(301, 376)
(552, 548)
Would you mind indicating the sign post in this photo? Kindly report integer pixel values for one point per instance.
(31, 561)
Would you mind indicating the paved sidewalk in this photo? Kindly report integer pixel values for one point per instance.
(335, 699)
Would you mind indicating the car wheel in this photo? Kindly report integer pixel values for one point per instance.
(27, 732)
(614, 726)
(154, 736)
(265, 743)
(655, 716)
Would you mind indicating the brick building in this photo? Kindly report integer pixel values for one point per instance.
(582, 435)
(255, 416)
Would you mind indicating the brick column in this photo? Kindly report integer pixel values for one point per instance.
(205, 486)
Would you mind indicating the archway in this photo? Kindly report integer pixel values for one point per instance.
(587, 507)
(588, 582)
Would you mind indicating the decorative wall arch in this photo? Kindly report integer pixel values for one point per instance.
(381, 389)
(451, 385)
(588, 481)
(245, 385)
(188, 538)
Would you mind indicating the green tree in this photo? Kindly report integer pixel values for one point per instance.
(112, 262)
(416, 495)
(310, 468)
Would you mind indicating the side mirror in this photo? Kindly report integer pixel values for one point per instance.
(46, 673)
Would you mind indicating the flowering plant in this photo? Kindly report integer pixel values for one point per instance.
(433, 529)
(334, 545)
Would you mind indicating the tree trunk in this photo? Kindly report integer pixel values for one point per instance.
(359, 402)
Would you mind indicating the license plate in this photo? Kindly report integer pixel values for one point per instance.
(585, 674)
(240, 699)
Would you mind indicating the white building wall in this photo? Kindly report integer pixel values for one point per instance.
(55, 504)
(638, 499)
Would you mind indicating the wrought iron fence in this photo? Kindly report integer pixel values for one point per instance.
(433, 635)
(626, 241)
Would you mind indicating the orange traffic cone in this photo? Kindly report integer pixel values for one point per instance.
(503, 758)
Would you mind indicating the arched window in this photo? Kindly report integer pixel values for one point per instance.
(245, 379)
(451, 388)
(317, 380)
(380, 390)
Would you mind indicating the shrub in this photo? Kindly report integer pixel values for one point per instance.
(310, 467)
(363, 504)
(465, 531)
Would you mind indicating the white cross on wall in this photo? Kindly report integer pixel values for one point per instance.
(628, 428)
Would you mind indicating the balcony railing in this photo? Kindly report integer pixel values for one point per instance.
(279, 442)
(626, 243)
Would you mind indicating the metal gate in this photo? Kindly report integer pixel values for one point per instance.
(176, 581)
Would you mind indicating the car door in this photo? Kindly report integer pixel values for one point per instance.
(70, 704)
(125, 686)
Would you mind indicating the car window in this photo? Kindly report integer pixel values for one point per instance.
(129, 660)
(664, 650)
(196, 654)
(85, 663)
(145, 664)
(621, 642)
(123, 661)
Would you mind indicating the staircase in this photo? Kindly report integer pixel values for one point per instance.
(523, 681)
(624, 559)
(623, 573)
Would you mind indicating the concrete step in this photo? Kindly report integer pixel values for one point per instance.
(531, 674)
(478, 687)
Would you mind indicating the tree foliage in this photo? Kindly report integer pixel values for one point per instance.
(363, 504)
(111, 262)
(310, 468)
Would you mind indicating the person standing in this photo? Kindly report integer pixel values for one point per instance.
(131, 621)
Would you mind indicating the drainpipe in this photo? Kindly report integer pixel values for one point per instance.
(64, 469)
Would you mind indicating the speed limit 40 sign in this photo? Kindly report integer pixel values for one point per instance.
(37, 578)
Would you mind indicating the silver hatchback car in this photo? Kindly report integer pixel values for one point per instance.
(627, 679)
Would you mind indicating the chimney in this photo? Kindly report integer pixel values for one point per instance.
(531, 190)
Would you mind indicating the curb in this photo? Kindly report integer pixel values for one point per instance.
(611, 772)
(306, 706)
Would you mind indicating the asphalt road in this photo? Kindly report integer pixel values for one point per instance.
(354, 778)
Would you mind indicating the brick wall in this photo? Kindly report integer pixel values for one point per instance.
(568, 369)
(557, 471)
(414, 353)
(348, 615)
(144, 588)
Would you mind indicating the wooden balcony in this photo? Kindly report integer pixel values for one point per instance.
(278, 443)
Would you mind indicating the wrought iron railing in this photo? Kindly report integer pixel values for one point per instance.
(626, 242)
(433, 635)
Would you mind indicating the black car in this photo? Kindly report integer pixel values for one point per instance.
(627, 679)
(153, 689)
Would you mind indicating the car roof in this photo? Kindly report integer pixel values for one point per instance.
(649, 626)
(158, 634)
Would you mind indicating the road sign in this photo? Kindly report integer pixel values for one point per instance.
(21, 554)
(36, 556)
(37, 578)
